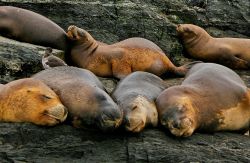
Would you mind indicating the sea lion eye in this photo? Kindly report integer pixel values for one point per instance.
(134, 107)
(100, 97)
(29, 90)
(46, 97)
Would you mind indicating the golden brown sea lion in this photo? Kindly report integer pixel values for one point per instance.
(27, 26)
(136, 95)
(119, 59)
(231, 52)
(30, 100)
(84, 96)
(211, 98)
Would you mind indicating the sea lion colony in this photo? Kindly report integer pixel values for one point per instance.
(180, 108)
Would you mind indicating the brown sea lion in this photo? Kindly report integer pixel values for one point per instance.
(27, 26)
(136, 95)
(84, 96)
(119, 59)
(211, 98)
(231, 52)
(30, 100)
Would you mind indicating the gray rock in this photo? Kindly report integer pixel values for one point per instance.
(30, 143)
(19, 60)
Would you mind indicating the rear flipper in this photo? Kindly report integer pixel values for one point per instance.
(182, 70)
(237, 63)
(49, 60)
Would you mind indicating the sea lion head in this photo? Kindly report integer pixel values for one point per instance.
(177, 114)
(35, 102)
(79, 35)
(188, 31)
(93, 107)
(138, 113)
(109, 116)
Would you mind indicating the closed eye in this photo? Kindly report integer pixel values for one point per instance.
(46, 97)
(134, 107)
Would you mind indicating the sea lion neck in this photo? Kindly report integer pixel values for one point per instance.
(201, 36)
(87, 46)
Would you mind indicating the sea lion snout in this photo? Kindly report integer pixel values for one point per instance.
(135, 124)
(179, 29)
(137, 112)
(181, 127)
(178, 120)
(58, 112)
(110, 119)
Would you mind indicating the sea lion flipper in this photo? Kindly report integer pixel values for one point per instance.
(49, 60)
(182, 70)
(239, 63)
(190, 64)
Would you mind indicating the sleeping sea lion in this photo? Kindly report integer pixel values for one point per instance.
(30, 100)
(211, 98)
(84, 96)
(136, 95)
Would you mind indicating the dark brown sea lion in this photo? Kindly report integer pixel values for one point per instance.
(211, 98)
(30, 100)
(119, 59)
(231, 52)
(27, 26)
(136, 95)
(84, 96)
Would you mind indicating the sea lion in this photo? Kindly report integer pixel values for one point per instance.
(27, 26)
(119, 59)
(231, 52)
(49, 60)
(136, 95)
(84, 96)
(30, 100)
(211, 98)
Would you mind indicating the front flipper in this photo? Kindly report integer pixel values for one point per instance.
(49, 60)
